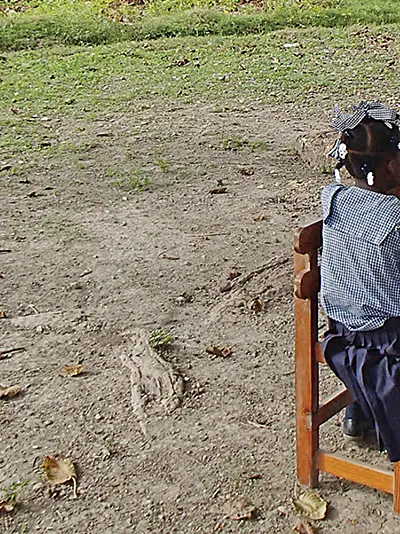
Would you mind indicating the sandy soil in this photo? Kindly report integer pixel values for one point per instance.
(91, 261)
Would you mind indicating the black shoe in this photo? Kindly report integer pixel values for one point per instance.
(355, 425)
(354, 428)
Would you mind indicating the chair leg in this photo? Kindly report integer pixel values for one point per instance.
(396, 488)
(306, 373)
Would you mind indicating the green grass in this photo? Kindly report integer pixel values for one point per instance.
(129, 181)
(84, 80)
(88, 82)
(32, 24)
(163, 165)
(11, 493)
(236, 143)
(160, 339)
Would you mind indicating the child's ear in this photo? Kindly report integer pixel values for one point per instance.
(393, 166)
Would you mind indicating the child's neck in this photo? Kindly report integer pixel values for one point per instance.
(383, 186)
(394, 191)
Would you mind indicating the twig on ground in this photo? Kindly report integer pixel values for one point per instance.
(257, 425)
(296, 486)
(262, 425)
(218, 490)
(209, 235)
(166, 257)
(219, 525)
(165, 254)
(241, 280)
(5, 352)
(234, 286)
(85, 273)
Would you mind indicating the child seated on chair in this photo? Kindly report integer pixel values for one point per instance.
(360, 271)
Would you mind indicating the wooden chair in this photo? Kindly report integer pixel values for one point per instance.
(310, 414)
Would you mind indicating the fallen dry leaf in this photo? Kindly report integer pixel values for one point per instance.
(7, 505)
(227, 287)
(5, 167)
(246, 171)
(240, 508)
(304, 527)
(311, 505)
(233, 275)
(8, 392)
(73, 370)
(76, 285)
(255, 305)
(282, 511)
(224, 352)
(34, 194)
(182, 62)
(259, 217)
(219, 191)
(3, 314)
(59, 470)
(255, 476)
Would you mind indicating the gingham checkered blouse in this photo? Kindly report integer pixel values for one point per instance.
(360, 265)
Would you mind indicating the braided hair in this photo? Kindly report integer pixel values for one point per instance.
(368, 146)
(368, 138)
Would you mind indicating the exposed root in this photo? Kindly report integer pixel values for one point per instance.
(151, 378)
(235, 288)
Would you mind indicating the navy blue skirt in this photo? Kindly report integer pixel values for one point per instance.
(368, 363)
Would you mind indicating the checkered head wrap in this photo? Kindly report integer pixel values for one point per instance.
(348, 121)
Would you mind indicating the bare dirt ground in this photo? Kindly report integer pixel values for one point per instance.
(89, 262)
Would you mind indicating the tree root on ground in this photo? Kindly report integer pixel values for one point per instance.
(152, 378)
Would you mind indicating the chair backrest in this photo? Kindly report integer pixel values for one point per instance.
(307, 275)
(306, 287)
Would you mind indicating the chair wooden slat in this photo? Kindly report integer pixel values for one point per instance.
(331, 407)
(338, 465)
(396, 488)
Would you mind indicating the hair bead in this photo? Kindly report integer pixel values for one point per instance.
(342, 149)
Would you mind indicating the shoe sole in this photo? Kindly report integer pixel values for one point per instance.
(353, 438)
